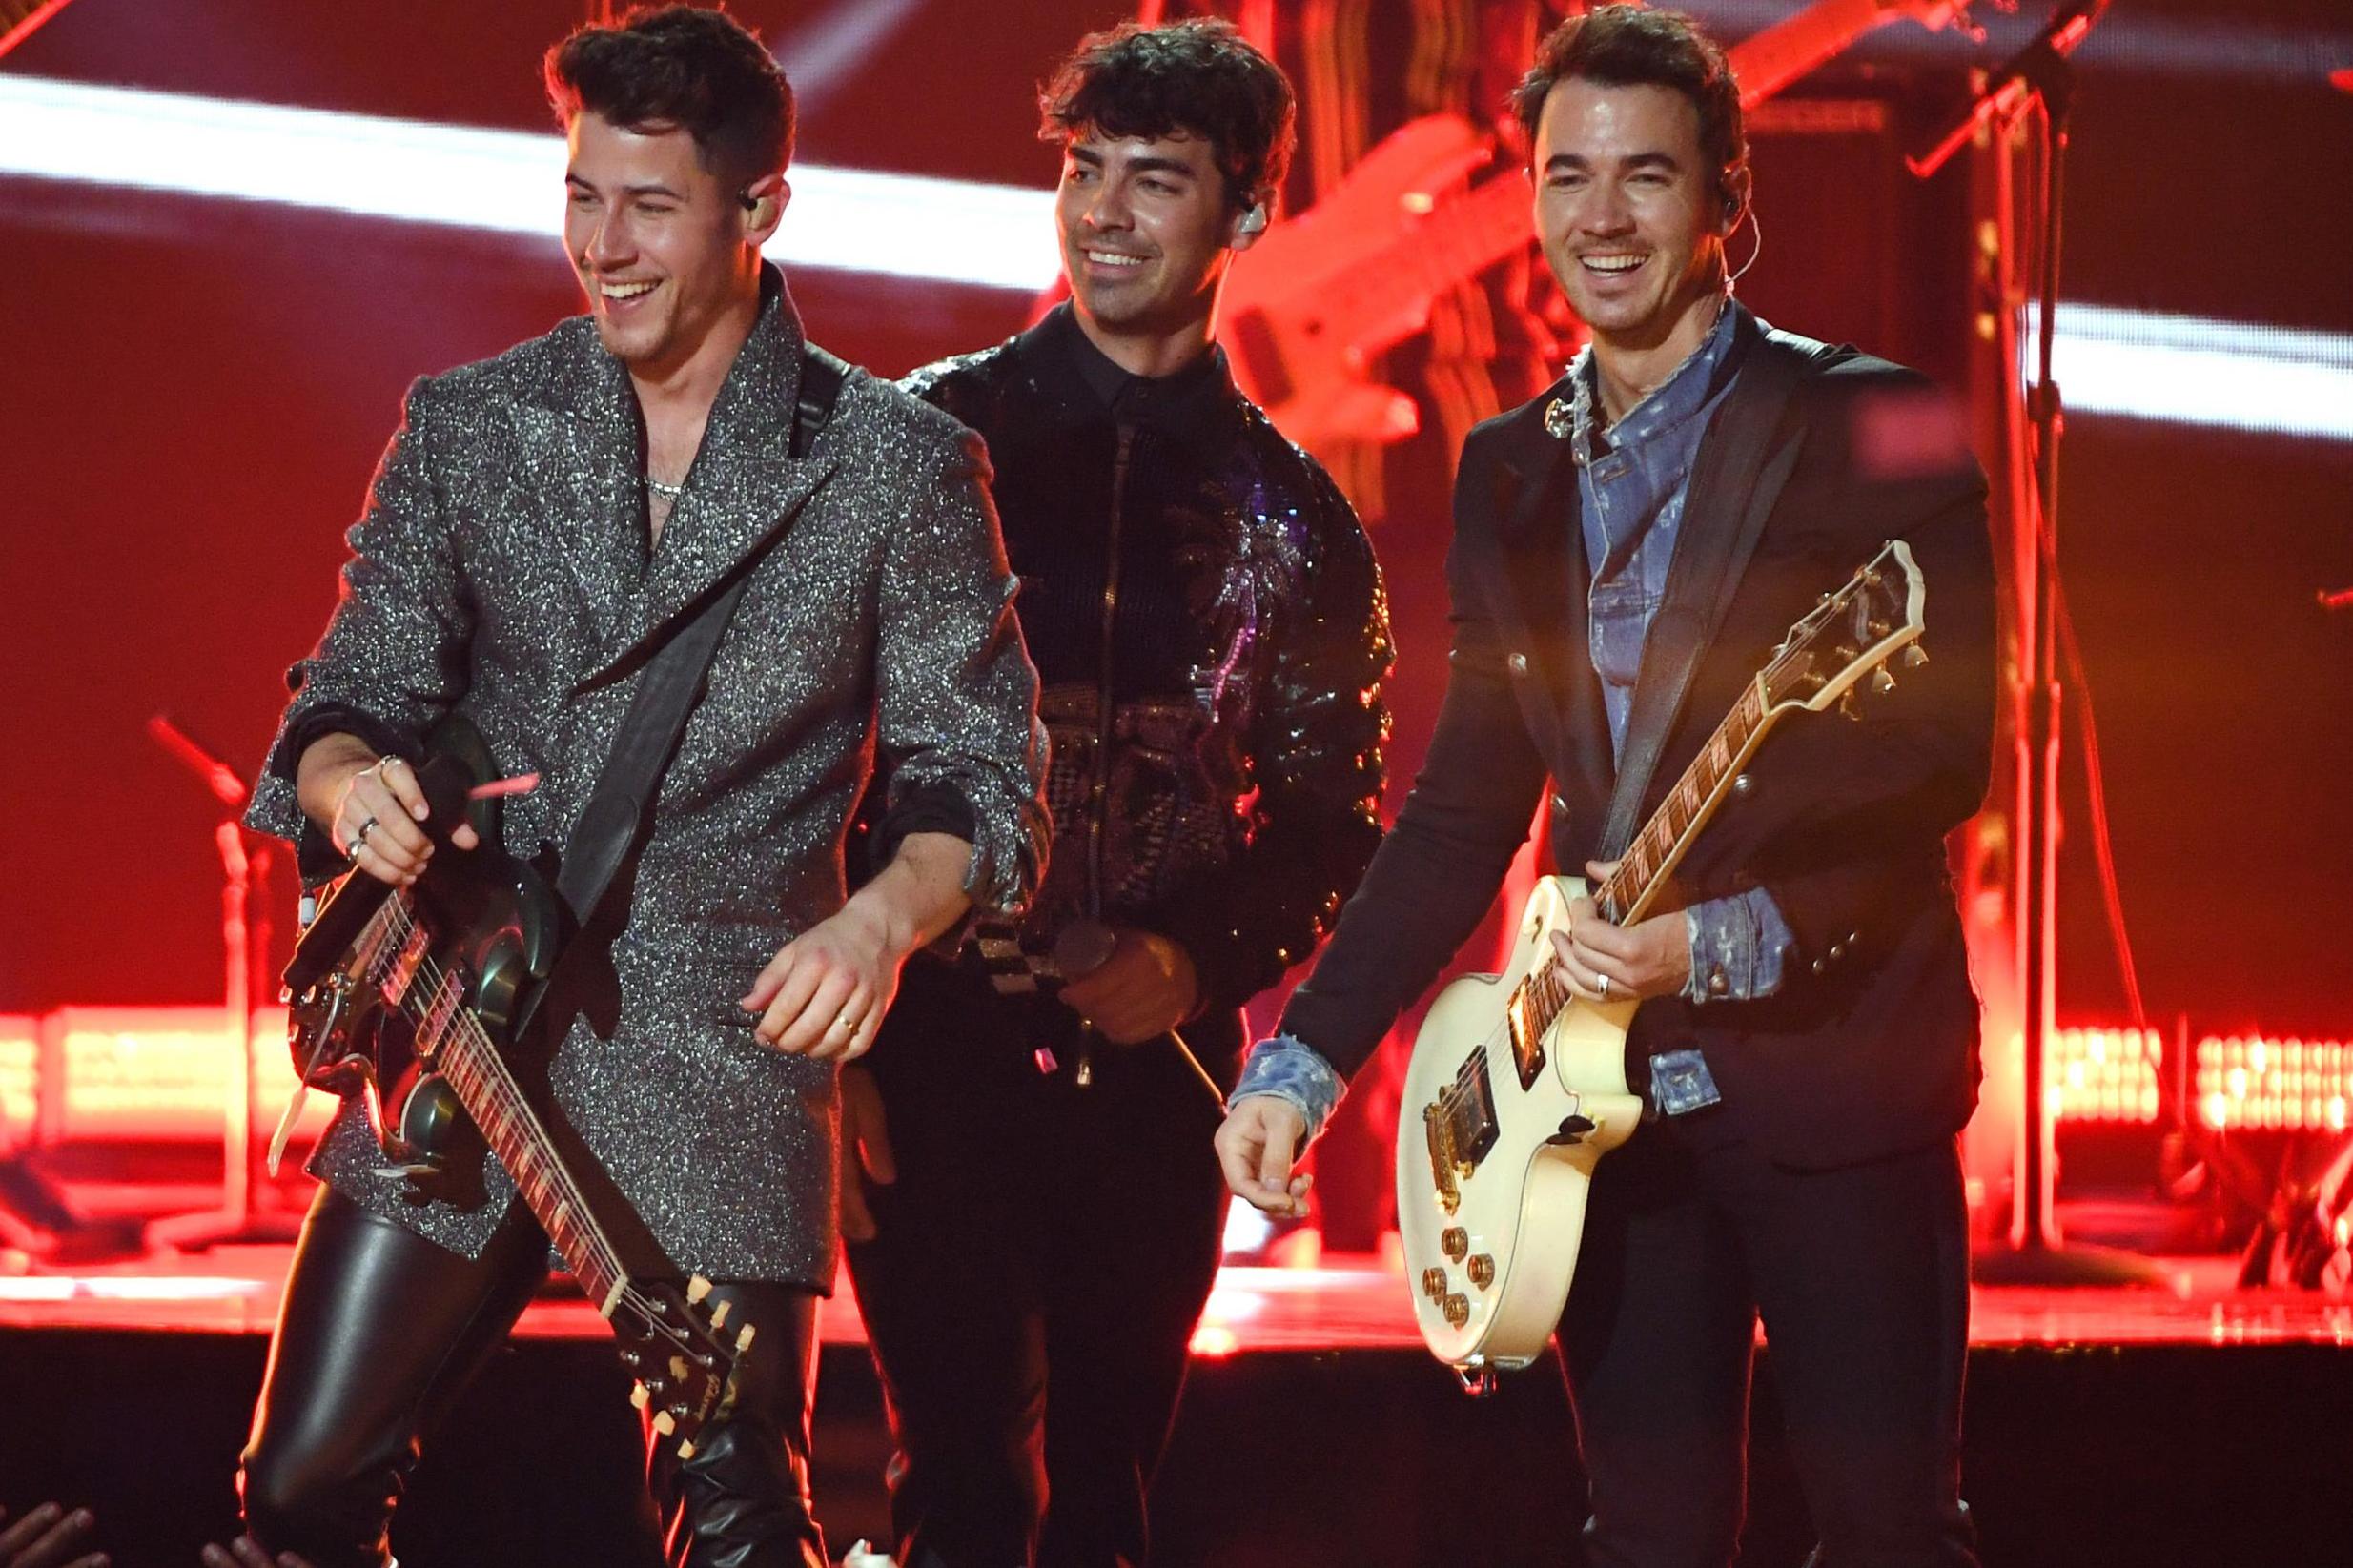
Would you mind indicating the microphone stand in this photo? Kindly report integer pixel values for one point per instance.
(243, 1218)
(2041, 75)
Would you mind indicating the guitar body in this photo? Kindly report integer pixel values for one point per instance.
(415, 1001)
(489, 928)
(1493, 1165)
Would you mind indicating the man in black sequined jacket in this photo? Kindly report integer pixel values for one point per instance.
(1209, 624)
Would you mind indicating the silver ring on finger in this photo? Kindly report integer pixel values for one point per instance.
(1601, 986)
(362, 836)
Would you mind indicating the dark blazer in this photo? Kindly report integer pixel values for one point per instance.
(1815, 458)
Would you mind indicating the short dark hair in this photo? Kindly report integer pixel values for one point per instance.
(692, 67)
(1200, 77)
(1634, 46)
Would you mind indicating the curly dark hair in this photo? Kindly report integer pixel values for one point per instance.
(1199, 76)
(1631, 46)
(692, 66)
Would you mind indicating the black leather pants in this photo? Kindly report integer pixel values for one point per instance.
(379, 1332)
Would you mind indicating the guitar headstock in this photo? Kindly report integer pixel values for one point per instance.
(1852, 635)
(680, 1347)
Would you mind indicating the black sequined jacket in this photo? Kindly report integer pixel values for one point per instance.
(1173, 550)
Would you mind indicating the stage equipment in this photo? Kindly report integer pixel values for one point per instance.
(2039, 81)
(18, 18)
(245, 860)
(1517, 1087)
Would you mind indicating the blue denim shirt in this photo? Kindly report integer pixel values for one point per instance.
(1632, 481)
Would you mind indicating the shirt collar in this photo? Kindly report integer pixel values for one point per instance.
(1685, 392)
(1182, 403)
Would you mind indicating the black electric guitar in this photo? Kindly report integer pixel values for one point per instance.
(411, 999)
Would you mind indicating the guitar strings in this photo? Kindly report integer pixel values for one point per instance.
(507, 1094)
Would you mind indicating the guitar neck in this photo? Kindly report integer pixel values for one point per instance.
(1642, 873)
(487, 1088)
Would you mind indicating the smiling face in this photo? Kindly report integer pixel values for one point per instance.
(1630, 213)
(1146, 230)
(664, 249)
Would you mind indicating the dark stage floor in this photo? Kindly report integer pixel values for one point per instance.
(2187, 1423)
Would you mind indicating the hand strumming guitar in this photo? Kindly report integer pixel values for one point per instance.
(1257, 1146)
(370, 806)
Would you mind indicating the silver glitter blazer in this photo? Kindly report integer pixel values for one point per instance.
(500, 569)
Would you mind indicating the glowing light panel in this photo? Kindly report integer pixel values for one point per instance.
(2196, 370)
(501, 181)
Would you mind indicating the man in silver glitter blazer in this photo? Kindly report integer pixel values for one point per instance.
(1211, 633)
(539, 525)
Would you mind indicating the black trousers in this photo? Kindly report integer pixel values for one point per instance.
(1861, 1278)
(381, 1329)
(1039, 1269)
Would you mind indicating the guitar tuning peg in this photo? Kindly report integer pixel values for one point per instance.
(685, 1448)
(1915, 656)
(1881, 682)
(743, 1339)
(697, 1288)
(719, 1313)
(665, 1422)
(637, 1396)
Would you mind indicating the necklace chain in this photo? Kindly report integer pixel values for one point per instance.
(666, 492)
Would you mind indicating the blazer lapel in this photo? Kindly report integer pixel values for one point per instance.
(744, 488)
(1542, 560)
(580, 446)
(1744, 460)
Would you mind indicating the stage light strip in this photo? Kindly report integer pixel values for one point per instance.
(503, 181)
(2196, 370)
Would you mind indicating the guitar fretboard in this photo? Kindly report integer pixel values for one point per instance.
(450, 1035)
(1642, 872)
(1641, 875)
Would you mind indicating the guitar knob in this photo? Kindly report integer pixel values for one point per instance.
(1434, 1283)
(1455, 1242)
(1483, 1271)
(1914, 657)
(1881, 682)
(1457, 1309)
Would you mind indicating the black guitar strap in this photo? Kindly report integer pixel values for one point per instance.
(667, 690)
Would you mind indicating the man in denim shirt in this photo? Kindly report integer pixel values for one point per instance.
(1807, 1045)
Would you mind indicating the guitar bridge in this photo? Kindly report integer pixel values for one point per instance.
(1460, 1128)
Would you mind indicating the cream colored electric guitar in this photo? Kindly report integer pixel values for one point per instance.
(1517, 1088)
